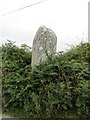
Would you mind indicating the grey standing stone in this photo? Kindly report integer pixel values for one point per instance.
(44, 43)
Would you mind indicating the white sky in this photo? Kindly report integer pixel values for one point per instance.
(67, 18)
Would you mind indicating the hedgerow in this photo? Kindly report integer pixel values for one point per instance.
(58, 87)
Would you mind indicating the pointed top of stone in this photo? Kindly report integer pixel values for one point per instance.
(44, 28)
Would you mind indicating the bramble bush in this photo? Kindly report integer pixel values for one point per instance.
(58, 87)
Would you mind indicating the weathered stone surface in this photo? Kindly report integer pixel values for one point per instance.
(44, 43)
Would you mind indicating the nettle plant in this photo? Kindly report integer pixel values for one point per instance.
(58, 87)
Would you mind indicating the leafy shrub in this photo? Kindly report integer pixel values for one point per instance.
(58, 87)
(16, 65)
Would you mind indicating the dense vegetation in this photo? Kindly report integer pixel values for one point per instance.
(58, 87)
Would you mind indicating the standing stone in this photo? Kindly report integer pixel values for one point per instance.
(44, 43)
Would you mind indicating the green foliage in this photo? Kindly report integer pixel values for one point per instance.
(58, 87)
(16, 65)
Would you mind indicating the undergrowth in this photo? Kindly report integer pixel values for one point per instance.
(57, 88)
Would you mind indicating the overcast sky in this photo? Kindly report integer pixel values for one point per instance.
(67, 18)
